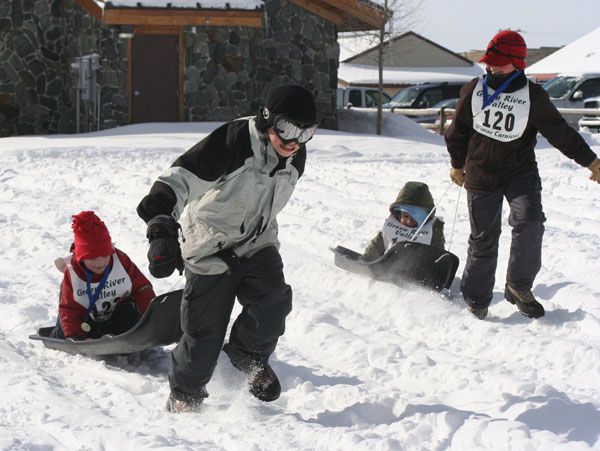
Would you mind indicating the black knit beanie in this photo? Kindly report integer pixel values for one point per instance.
(294, 102)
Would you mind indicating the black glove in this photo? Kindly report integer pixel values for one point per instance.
(164, 254)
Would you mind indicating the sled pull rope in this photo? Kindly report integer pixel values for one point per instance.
(416, 234)
(454, 221)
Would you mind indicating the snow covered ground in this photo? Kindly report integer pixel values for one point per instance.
(364, 365)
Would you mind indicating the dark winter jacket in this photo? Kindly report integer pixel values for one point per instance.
(125, 280)
(418, 195)
(489, 163)
(233, 184)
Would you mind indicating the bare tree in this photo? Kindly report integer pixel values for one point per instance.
(401, 16)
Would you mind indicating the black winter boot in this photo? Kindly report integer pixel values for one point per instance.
(180, 403)
(264, 383)
(479, 312)
(525, 302)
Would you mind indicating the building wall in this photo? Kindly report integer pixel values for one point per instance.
(39, 40)
(228, 71)
(88, 36)
(32, 67)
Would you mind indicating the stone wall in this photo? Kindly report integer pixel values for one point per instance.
(228, 71)
(111, 77)
(306, 51)
(32, 69)
(39, 40)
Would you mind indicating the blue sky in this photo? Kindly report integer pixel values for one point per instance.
(461, 25)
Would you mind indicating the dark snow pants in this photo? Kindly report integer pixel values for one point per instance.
(259, 285)
(526, 218)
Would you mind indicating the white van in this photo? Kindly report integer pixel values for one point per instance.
(359, 97)
(570, 90)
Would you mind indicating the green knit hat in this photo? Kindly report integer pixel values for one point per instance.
(414, 193)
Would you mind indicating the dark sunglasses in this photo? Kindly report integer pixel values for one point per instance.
(288, 131)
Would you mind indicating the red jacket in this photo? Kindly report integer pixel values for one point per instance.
(72, 309)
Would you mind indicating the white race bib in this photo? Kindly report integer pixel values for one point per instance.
(506, 118)
(117, 285)
(395, 232)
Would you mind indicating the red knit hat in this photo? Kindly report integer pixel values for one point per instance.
(92, 239)
(506, 47)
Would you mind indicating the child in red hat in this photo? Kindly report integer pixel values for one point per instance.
(103, 291)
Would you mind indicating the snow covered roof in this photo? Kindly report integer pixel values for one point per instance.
(205, 4)
(242, 13)
(345, 14)
(358, 74)
(401, 50)
(580, 56)
(354, 43)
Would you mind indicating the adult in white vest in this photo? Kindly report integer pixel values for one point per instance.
(408, 212)
(491, 142)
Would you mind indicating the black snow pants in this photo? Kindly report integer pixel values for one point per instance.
(526, 218)
(259, 285)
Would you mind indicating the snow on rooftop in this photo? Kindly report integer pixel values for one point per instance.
(363, 74)
(580, 56)
(352, 44)
(204, 4)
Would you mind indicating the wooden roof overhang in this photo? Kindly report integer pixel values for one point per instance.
(172, 16)
(348, 15)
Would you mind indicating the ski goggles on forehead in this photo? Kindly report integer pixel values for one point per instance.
(288, 131)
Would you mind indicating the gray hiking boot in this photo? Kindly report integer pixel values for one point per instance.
(479, 312)
(186, 403)
(525, 302)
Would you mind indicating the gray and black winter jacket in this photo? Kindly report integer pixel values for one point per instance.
(232, 185)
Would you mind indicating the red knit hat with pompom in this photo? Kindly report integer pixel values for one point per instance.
(92, 239)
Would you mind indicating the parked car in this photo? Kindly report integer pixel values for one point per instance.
(591, 121)
(569, 91)
(425, 95)
(359, 97)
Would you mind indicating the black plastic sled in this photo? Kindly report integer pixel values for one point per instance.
(406, 261)
(159, 326)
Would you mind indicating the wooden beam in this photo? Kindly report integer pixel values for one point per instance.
(182, 17)
(151, 29)
(92, 7)
(129, 81)
(361, 11)
(327, 14)
(181, 48)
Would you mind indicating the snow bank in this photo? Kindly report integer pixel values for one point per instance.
(364, 365)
